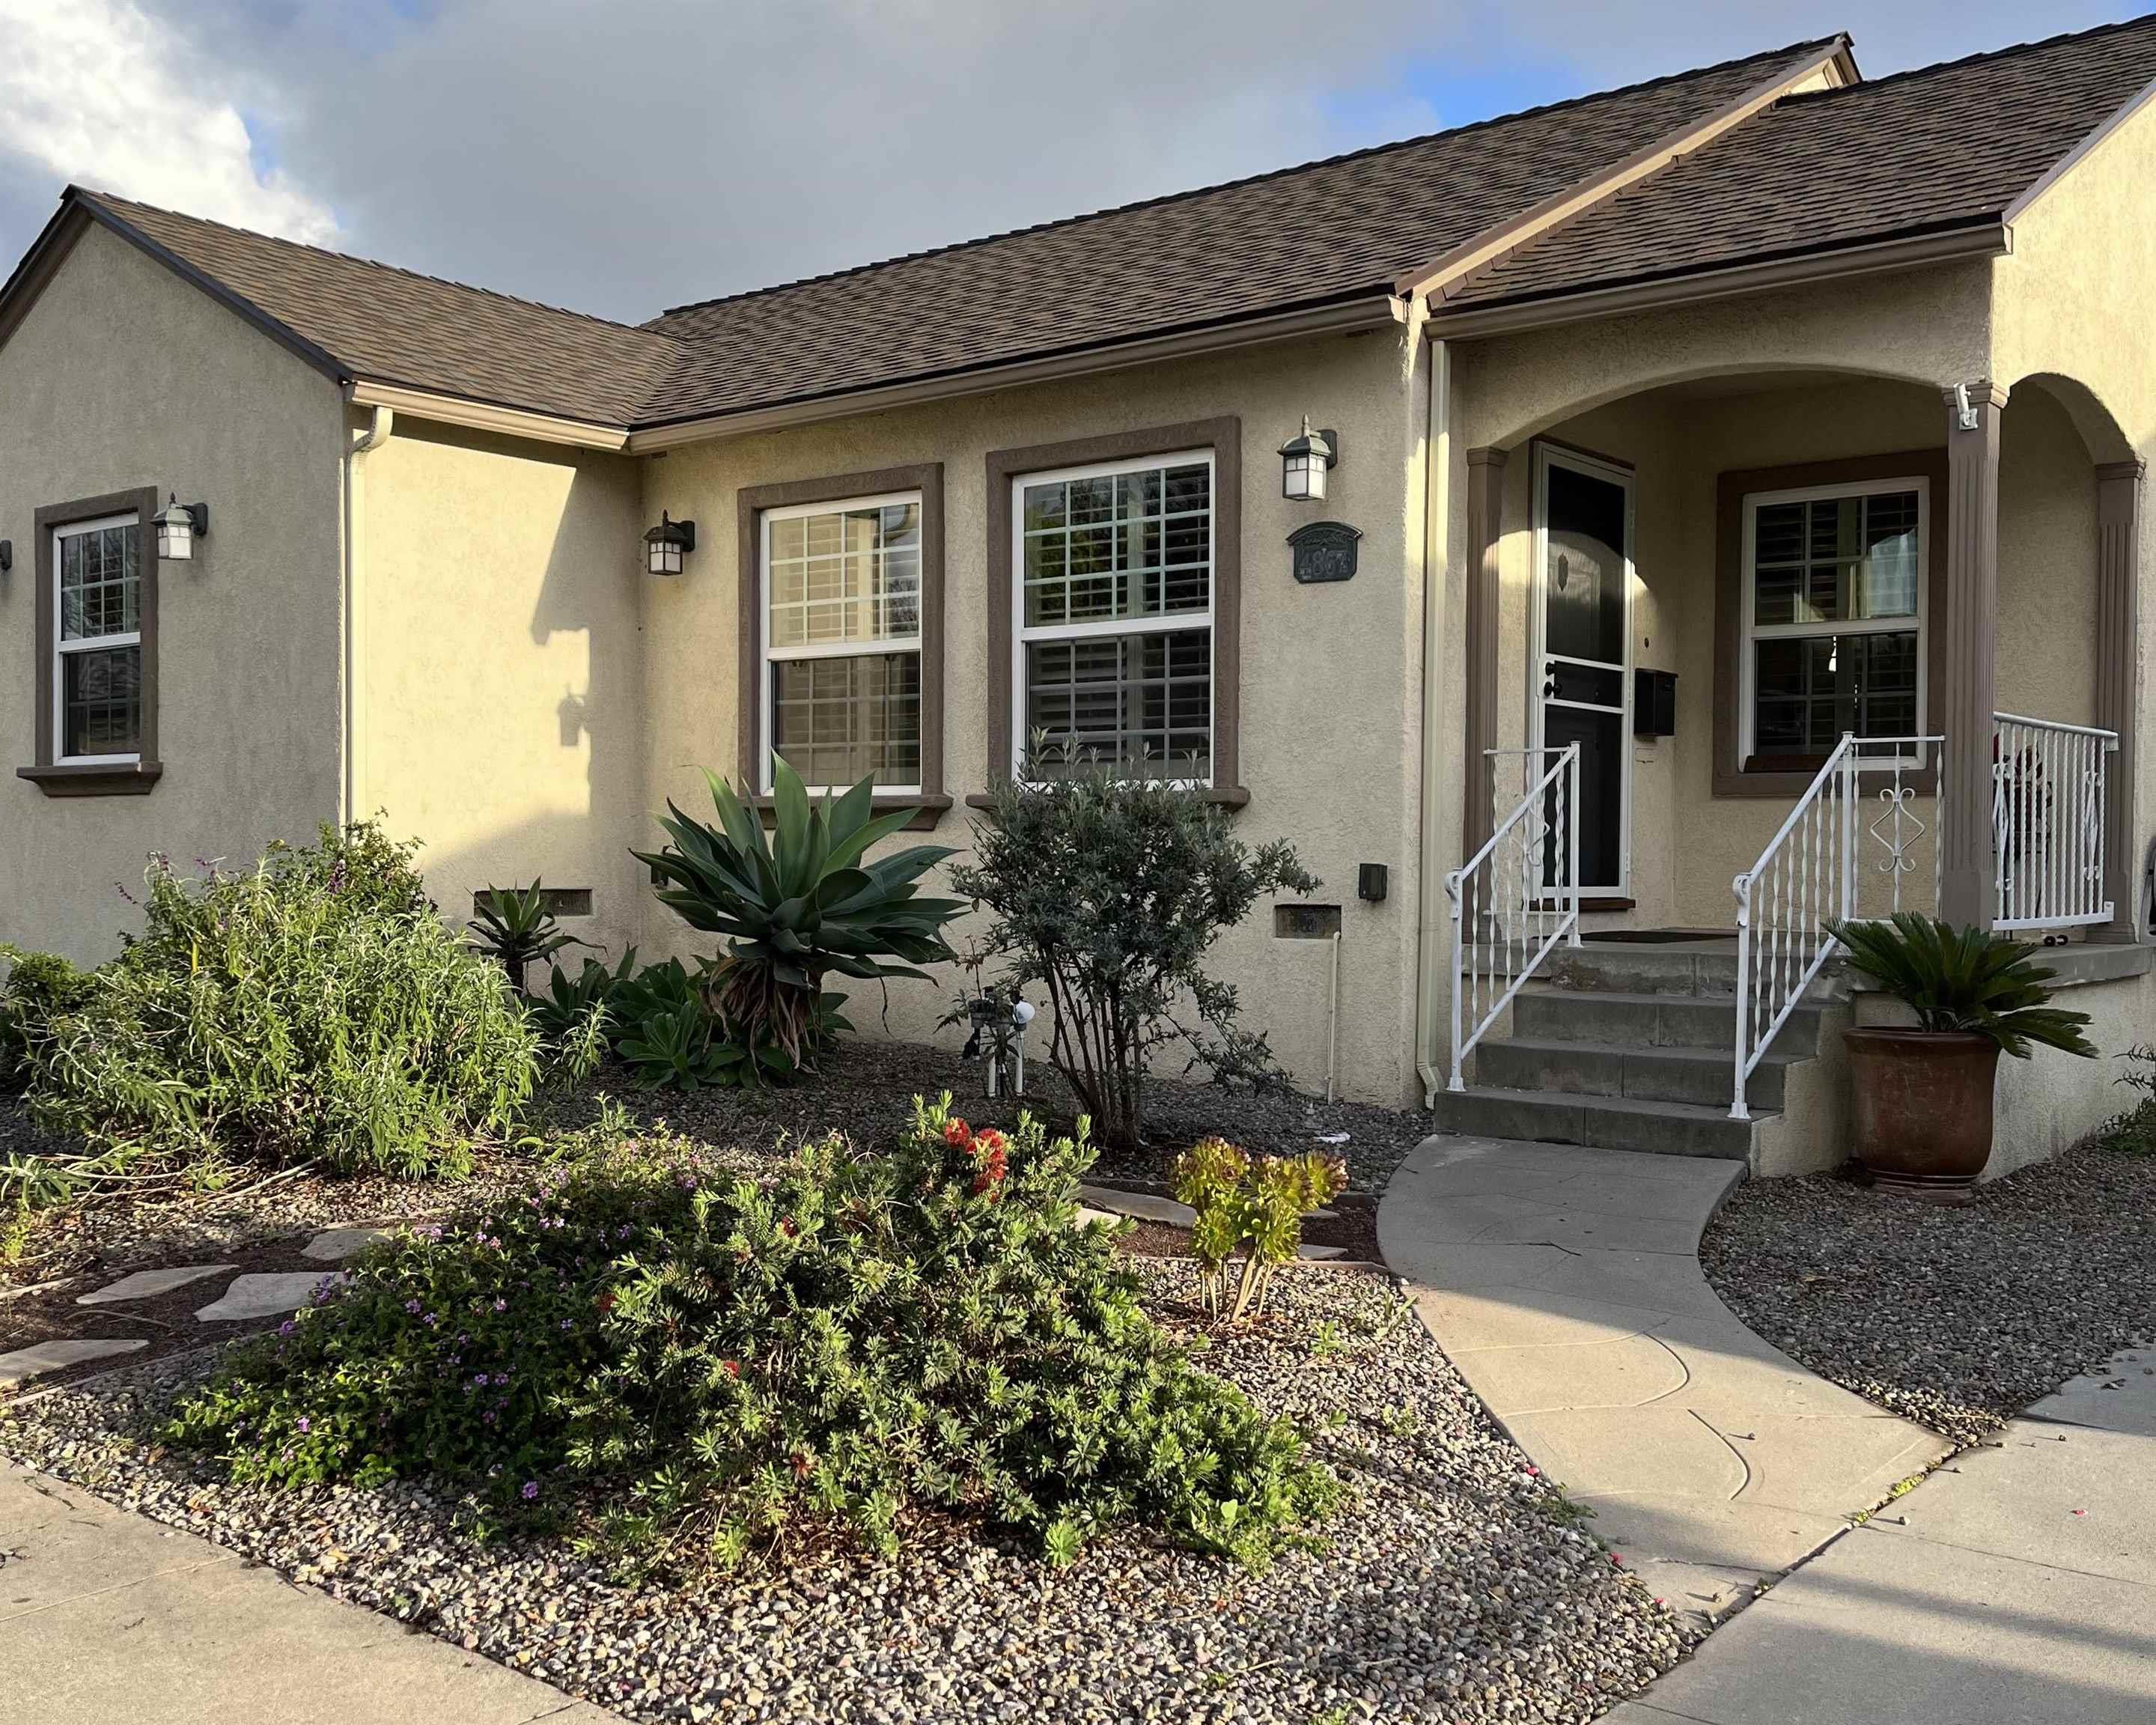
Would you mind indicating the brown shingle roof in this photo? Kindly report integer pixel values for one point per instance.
(392, 327)
(1301, 237)
(1923, 151)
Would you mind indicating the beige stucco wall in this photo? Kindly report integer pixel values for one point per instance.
(501, 715)
(1331, 674)
(121, 375)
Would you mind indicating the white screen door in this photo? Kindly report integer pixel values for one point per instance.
(1581, 666)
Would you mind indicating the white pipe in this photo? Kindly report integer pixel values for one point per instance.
(382, 424)
(1432, 915)
(1332, 1020)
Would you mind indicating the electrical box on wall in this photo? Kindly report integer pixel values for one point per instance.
(1654, 703)
(1372, 882)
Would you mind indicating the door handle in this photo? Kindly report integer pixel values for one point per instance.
(1549, 681)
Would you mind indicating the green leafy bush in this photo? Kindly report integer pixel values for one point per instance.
(1253, 1205)
(40, 987)
(1108, 891)
(570, 1001)
(692, 1363)
(793, 910)
(312, 1009)
(1964, 979)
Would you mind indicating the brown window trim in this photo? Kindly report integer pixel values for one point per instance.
(1224, 437)
(930, 802)
(55, 778)
(1790, 775)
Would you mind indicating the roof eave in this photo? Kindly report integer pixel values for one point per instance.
(478, 415)
(1836, 61)
(1990, 237)
(1372, 309)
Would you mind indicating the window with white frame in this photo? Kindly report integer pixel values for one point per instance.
(1113, 566)
(1833, 617)
(842, 641)
(97, 680)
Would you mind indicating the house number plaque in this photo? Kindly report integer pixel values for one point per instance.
(1325, 551)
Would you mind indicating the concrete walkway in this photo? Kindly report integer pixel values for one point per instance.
(1565, 1285)
(106, 1617)
(2016, 1586)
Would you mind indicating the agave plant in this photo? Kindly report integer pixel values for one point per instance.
(798, 907)
(515, 929)
(1967, 979)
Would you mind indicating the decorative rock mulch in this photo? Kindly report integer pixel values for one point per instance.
(1956, 1318)
(1446, 1589)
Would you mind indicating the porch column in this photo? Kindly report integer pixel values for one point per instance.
(1486, 529)
(2118, 632)
(1968, 891)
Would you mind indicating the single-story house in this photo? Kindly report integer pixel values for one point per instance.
(1659, 440)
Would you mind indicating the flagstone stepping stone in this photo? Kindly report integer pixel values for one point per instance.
(1142, 1205)
(1319, 1252)
(267, 1295)
(340, 1243)
(148, 1284)
(41, 1357)
(1087, 1213)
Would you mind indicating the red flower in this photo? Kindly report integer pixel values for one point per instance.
(606, 1303)
(991, 1141)
(789, 1228)
(731, 1367)
(959, 1135)
(801, 1466)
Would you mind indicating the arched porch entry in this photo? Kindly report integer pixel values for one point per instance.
(1808, 554)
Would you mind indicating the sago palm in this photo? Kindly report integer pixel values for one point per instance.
(1964, 979)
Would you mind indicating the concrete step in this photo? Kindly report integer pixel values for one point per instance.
(1701, 1075)
(1631, 1019)
(1605, 1122)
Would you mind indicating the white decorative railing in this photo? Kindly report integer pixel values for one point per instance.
(1515, 899)
(2048, 785)
(1815, 870)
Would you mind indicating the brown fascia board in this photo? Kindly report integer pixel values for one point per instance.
(1836, 61)
(1989, 237)
(39, 266)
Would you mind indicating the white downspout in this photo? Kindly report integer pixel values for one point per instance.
(1433, 921)
(381, 426)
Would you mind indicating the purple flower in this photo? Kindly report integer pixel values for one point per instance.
(303, 1423)
(412, 1306)
(530, 1490)
(500, 1379)
(286, 1327)
(501, 1304)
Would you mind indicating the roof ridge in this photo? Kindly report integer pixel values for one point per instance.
(1168, 198)
(120, 205)
(2007, 52)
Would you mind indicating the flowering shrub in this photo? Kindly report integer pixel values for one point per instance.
(690, 1363)
(1252, 1205)
(313, 1007)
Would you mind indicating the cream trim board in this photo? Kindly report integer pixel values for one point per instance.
(1751, 632)
(1547, 456)
(1444, 273)
(483, 416)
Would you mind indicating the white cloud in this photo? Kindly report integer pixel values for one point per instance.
(98, 92)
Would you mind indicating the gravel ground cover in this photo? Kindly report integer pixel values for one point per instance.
(1955, 1318)
(1445, 1590)
(860, 1080)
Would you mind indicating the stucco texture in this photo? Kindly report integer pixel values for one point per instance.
(119, 375)
(501, 717)
(1330, 674)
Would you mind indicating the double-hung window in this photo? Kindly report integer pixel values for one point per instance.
(1834, 581)
(1113, 661)
(842, 598)
(97, 670)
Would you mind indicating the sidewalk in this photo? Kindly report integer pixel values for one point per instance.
(108, 1616)
(2016, 1586)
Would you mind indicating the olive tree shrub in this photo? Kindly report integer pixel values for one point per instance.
(1108, 891)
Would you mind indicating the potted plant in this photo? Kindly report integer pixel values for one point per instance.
(1921, 1098)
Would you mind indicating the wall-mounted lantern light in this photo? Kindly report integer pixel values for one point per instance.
(666, 544)
(179, 525)
(1304, 460)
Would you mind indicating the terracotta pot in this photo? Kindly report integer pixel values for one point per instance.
(1921, 1108)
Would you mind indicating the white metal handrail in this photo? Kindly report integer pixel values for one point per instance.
(1514, 900)
(2049, 782)
(1808, 874)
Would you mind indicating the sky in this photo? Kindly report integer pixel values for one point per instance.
(625, 156)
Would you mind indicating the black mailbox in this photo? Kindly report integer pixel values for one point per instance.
(1654, 703)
